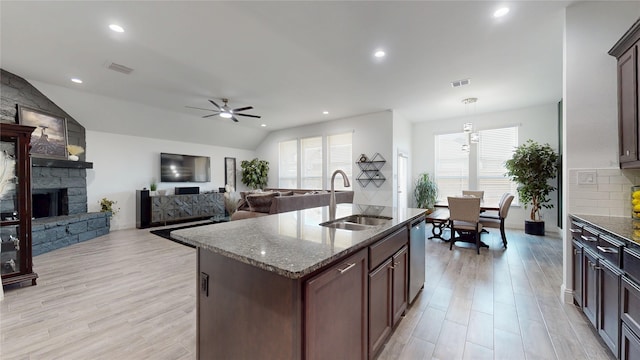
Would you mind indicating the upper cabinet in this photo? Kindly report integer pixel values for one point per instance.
(626, 51)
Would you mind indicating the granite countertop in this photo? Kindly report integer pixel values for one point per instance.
(293, 244)
(622, 227)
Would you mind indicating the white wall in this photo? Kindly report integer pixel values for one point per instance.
(371, 133)
(539, 123)
(590, 103)
(123, 164)
(401, 144)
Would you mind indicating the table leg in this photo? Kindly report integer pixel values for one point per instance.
(437, 229)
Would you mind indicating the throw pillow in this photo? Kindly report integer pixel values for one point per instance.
(260, 202)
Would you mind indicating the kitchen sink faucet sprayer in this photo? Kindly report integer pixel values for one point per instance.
(332, 201)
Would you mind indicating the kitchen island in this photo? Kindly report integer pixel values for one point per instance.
(285, 287)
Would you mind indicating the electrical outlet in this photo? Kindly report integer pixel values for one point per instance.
(587, 178)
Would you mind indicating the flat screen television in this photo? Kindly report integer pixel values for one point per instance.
(184, 168)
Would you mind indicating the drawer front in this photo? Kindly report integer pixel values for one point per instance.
(630, 304)
(576, 229)
(631, 263)
(385, 248)
(589, 238)
(629, 344)
(610, 249)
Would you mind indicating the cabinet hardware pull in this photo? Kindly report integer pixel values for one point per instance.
(575, 231)
(597, 268)
(342, 271)
(607, 250)
(588, 238)
(576, 252)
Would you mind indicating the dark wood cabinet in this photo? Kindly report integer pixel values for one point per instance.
(15, 206)
(628, 73)
(380, 306)
(590, 285)
(609, 304)
(577, 272)
(400, 284)
(629, 344)
(336, 311)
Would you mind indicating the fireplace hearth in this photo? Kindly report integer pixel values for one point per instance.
(49, 202)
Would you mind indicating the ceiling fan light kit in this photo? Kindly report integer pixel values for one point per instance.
(226, 112)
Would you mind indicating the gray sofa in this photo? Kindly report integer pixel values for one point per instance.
(274, 201)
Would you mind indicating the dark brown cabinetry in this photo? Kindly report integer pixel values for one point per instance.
(628, 73)
(336, 311)
(380, 304)
(630, 344)
(15, 206)
(590, 285)
(609, 304)
(577, 272)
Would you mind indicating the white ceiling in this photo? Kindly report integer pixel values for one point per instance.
(292, 60)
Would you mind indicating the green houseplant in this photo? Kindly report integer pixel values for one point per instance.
(532, 166)
(107, 205)
(255, 173)
(425, 192)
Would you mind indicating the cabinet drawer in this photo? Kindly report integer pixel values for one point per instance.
(576, 229)
(631, 263)
(610, 249)
(589, 238)
(385, 248)
(630, 304)
(629, 344)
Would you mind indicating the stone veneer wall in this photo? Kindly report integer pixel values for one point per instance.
(57, 232)
(54, 232)
(609, 196)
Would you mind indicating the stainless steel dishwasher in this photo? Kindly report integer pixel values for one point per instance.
(416, 259)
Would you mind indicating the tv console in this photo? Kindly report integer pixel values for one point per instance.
(165, 209)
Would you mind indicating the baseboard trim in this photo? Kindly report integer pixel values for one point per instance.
(566, 295)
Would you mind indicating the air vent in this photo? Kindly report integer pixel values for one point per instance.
(462, 82)
(120, 68)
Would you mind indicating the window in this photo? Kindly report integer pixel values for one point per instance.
(339, 157)
(311, 163)
(481, 169)
(288, 165)
(314, 164)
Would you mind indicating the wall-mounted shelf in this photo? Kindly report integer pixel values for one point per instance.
(370, 170)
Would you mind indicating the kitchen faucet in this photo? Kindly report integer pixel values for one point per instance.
(332, 201)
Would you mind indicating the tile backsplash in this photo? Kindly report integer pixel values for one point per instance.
(607, 193)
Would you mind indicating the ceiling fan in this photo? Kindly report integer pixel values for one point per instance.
(226, 112)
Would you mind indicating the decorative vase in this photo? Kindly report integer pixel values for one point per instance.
(74, 157)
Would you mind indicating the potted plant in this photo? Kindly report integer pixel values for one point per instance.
(107, 205)
(153, 187)
(532, 166)
(425, 192)
(255, 173)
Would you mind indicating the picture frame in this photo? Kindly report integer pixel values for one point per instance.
(49, 139)
(230, 171)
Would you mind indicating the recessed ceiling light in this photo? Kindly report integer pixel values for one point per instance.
(325, 112)
(501, 12)
(264, 125)
(379, 53)
(76, 80)
(116, 28)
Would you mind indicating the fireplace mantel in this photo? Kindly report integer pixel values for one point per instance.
(44, 162)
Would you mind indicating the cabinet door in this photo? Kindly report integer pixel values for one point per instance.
(589, 285)
(609, 305)
(336, 311)
(627, 117)
(577, 273)
(400, 283)
(630, 344)
(380, 299)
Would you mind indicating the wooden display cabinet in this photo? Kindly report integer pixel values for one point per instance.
(16, 265)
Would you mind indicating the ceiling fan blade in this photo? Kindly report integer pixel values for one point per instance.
(206, 116)
(247, 115)
(192, 107)
(234, 119)
(242, 109)
(214, 103)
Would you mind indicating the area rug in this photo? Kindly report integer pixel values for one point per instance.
(165, 233)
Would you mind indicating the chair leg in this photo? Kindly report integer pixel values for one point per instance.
(452, 239)
(504, 235)
(478, 242)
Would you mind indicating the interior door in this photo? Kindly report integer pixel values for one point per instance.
(402, 181)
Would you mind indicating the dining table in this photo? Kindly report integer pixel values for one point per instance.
(439, 217)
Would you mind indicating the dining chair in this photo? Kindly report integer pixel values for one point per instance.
(464, 218)
(494, 214)
(476, 193)
(498, 221)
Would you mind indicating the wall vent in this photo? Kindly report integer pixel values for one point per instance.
(462, 82)
(120, 68)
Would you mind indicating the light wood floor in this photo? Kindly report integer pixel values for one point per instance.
(131, 295)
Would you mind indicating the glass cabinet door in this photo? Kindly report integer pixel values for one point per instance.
(9, 217)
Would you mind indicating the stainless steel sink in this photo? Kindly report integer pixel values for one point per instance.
(357, 222)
